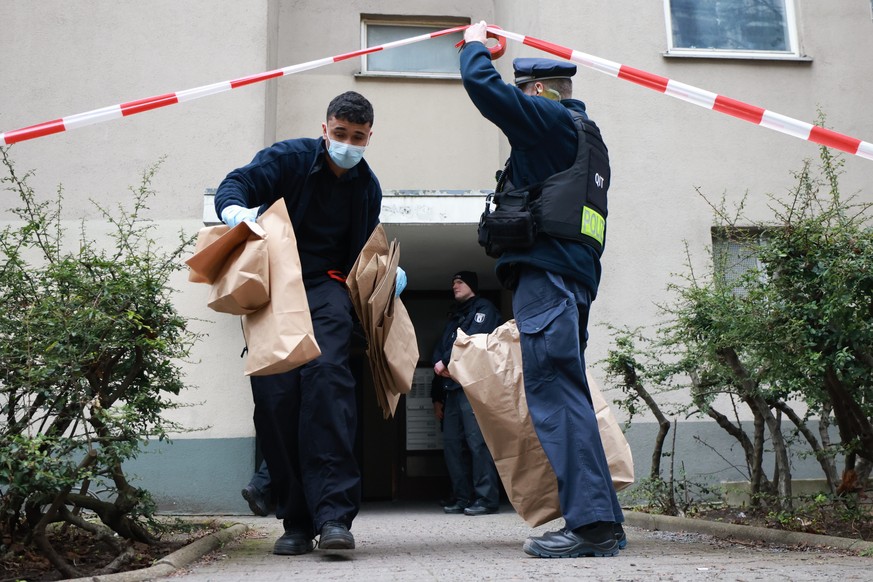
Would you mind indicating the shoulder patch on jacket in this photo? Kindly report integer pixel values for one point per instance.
(479, 317)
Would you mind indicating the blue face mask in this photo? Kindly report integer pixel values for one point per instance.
(345, 155)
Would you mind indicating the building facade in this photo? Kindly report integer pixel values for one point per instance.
(435, 157)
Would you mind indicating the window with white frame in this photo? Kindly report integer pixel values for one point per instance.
(762, 29)
(434, 57)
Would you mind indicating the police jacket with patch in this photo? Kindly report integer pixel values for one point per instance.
(544, 142)
(475, 315)
(290, 169)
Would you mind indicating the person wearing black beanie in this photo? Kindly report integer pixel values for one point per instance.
(475, 482)
(470, 278)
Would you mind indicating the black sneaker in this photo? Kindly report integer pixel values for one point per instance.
(457, 507)
(335, 535)
(620, 536)
(256, 500)
(294, 542)
(592, 541)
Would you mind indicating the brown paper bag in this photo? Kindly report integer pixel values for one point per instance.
(235, 263)
(392, 328)
(400, 347)
(207, 260)
(392, 348)
(618, 452)
(243, 286)
(361, 280)
(490, 370)
(280, 336)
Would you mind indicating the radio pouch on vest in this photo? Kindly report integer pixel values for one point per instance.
(510, 226)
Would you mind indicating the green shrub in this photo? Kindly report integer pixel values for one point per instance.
(790, 342)
(90, 354)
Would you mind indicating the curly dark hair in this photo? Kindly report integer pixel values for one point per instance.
(352, 107)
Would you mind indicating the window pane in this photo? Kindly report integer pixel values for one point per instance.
(754, 25)
(735, 257)
(435, 55)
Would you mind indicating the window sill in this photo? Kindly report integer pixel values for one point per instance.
(410, 75)
(735, 56)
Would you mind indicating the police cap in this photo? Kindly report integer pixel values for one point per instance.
(528, 69)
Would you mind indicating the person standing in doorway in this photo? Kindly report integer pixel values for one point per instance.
(474, 478)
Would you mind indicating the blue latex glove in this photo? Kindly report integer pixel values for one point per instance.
(401, 281)
(233, 215)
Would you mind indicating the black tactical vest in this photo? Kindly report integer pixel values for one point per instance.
(572, 204)
(569, 205)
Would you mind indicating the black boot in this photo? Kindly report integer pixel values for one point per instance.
(620, 536)
(597, 539)
(294, 542)
(335, 535)
(257, 501)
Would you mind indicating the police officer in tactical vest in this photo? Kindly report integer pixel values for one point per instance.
(557, 176)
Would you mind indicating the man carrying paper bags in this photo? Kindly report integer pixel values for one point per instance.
(306, 418)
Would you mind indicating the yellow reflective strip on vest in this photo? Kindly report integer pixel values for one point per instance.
(593, 224)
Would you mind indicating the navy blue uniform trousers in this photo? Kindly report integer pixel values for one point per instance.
(552, 315)
(468, 460)
(306, 421)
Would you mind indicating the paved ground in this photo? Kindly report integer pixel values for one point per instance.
(417, 542)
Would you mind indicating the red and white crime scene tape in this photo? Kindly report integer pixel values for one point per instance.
(688, 93)
(702, 98)
(132, 107)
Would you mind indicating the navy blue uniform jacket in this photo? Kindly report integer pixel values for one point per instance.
(475, 315)
(286, 170)
(544, 142)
